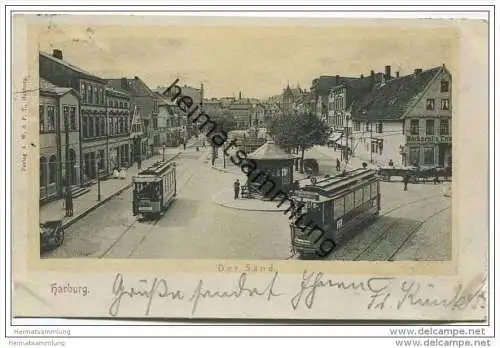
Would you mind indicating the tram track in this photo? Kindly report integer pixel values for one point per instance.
(151, 223)
(386, 229)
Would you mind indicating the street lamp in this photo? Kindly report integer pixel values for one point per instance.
(97, 159)
(163, 152)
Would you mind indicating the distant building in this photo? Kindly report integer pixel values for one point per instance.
(294, 99)
(406, 119)
(58, 112)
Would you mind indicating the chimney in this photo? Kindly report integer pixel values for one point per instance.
(361, 76)
(337, 78)
(417, 71)
(387, 72)
(136, 77)
(57, 54)
(397, 74)
(124, 83)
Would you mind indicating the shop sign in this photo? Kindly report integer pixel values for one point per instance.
(433, 139)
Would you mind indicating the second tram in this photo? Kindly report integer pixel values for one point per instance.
(154, 189)
(336, 205)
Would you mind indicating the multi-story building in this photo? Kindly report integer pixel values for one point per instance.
(119, 124)
(145, 102)
(242, 111)
(294, 100)
(92, 109)
(407, 120)
(59, 139)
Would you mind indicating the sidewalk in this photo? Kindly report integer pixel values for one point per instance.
(88, 202)
(225, 198)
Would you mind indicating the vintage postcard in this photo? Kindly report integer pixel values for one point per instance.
(250, 168)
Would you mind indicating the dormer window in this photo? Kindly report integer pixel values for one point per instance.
(445, 86)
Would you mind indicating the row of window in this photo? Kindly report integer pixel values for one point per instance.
(95, 126)
(431, 104)
(343, 205)
(92, 94)
(48, 115)
(118, 104)
(52, 170)
(369, 127)
(414, 155)
(430, 127)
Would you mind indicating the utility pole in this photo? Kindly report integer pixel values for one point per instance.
(97, 159)
(371, 142)
(69, 193)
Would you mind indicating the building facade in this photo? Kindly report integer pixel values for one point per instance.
(407, 120)
(145, 103)
(92, 109)
(118, 130)
(58, 122)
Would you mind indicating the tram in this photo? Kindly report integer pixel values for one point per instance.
(154, 189)
(336, 205)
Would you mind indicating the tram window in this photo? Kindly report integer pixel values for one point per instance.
(349, 202)
(374, 189)
(366, 193)
(338, 208)
(358, 197)
(329, 211)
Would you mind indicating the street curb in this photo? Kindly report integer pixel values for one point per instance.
(225, 205)
(94, 207)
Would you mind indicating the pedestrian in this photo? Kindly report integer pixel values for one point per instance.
(236, 189)
(391, 163)
(406, 179)
(436, 176)
(338, 165)
(184, 144)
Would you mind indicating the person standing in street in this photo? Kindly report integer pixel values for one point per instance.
(236, 189)
(338, 165)
(406, 179)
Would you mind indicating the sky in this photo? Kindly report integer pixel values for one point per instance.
(258, 59)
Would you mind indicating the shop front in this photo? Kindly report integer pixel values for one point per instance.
(428, 151)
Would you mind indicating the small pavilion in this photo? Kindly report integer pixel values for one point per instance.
(277, 163)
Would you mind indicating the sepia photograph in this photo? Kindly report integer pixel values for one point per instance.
(237, 143)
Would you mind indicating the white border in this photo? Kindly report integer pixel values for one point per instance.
(101, 328)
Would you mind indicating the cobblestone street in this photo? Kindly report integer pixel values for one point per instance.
(413, 224)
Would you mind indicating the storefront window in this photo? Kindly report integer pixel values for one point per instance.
(358, 197)
(414, 156)
(428, 155)
(349, 202)
(366, 193)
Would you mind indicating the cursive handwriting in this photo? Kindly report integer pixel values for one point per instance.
(463, 295)
(158, 287)
(241, 290)
(312, 281)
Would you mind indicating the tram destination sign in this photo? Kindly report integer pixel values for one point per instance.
(432, 139)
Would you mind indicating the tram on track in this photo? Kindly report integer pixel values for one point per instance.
(154, 189)
(336, 205)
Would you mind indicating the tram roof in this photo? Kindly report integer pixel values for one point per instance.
(333, 186)
(157, 168)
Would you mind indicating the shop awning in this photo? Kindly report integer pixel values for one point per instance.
(335, 136)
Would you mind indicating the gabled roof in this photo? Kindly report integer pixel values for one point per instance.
(270, 151)
(117, 92)
(48, 88)
(135, 87)
(391, 100)
(72, 67)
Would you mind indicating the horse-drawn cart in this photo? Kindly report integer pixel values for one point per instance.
(422, 174)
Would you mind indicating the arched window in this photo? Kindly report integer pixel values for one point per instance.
(52, 169)
(43, 172)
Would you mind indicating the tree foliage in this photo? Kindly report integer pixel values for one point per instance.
(224, 120)
(300, 131)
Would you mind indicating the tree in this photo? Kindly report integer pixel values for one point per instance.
(299, 130)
